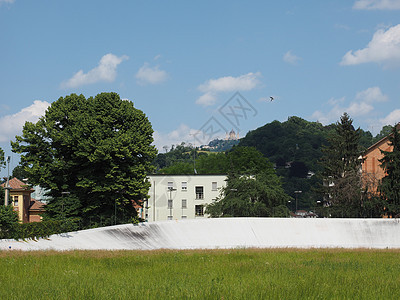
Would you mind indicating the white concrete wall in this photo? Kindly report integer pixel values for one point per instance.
(159, 195)
(227, 233)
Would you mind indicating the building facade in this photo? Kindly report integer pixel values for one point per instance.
(175, 197)
(371, 167)
(28, 209)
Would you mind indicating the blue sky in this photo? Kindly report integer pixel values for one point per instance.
(182, 61)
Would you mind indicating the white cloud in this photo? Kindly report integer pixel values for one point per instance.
(362, 105)
(150, 75)
(182, 134)
(207, 99)
(105, 71)
(6, 1)
(383, 48)
(329, 117)
(391, 119)
(291, 58)
(372, 94)
(377, 4)
(212, 87)
(359, 109)
(11, 125)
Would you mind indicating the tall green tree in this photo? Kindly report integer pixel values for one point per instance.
(385, 131)
(341, 162)
(19, 172)
(2, 164)
(253, 189)
(92, 155)
(389, 187)
(2, 161)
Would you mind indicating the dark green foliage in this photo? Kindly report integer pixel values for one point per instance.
(179, 168)
(19, 172)
(295, 148)
(2, 195)
(222, 145)
(96, 149)
(298, 169)
(293, 140)
(8, 221)
(366, 139)
(253, 188)
(180, 160)
(214, 163)
(42, 229)
(390, 184)
(343, 150)
(385, 131)
(341, 162)
(2, 161)
(179, 154)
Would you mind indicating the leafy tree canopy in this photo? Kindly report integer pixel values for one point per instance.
(2, 161)
(19, 172)
(92, 154)
(253, 188)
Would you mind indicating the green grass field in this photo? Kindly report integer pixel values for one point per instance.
(205, 274)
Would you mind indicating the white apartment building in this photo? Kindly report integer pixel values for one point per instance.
(175, 197)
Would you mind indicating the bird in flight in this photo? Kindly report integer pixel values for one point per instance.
(271, 98)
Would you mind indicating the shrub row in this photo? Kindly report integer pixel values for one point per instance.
(42, 229)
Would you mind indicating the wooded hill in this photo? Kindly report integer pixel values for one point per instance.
(295, 140)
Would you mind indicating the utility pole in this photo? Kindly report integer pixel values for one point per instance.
(7, 187)
(296, 193)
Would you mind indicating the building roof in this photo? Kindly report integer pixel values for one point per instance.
(36, 205)
(16, 184)
(380, 142)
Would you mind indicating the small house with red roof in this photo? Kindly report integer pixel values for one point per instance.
(28, 209)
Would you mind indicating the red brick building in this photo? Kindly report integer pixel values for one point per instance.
(371, 169)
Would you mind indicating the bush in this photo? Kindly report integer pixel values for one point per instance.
(44, 229)
(10, 228)
(8, 221)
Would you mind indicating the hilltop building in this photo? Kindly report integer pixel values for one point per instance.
(232, 136)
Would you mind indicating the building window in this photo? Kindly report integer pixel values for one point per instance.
(169, 218)
(170, 204)
(199, 192)
(184, 217)
(184, 203)
(214, 186)
(184, 185)
(15, 200)
(199, 209)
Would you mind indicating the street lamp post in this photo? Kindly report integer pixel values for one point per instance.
(296, 193)
(170, 189)
(7, 187)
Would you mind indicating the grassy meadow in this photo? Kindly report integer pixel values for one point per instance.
(201, 274)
